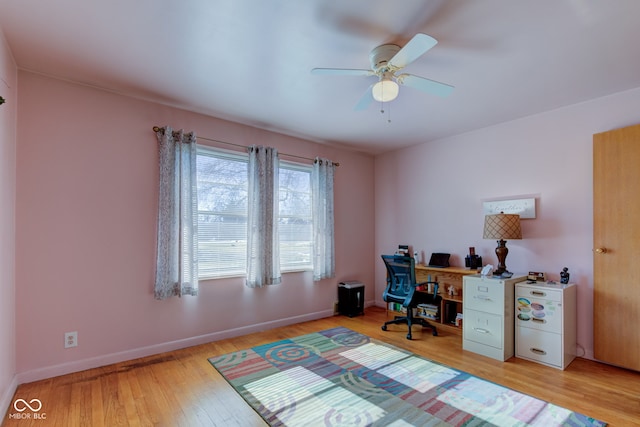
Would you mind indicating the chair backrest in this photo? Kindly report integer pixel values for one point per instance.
(401, 276)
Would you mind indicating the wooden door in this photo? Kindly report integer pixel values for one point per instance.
(616, 235)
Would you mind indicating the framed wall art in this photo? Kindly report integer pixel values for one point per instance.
(526, 208)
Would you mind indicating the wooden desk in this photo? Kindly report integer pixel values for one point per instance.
(451, 304)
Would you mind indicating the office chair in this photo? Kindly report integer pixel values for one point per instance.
(401, 288)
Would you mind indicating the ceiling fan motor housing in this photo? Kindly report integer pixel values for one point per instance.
(381, 55)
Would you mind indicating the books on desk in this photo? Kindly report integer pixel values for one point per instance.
(429, 311)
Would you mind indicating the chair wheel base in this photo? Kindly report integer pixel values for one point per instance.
(384, 327)
(408, 336)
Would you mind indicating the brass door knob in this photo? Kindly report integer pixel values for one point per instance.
(601, 250)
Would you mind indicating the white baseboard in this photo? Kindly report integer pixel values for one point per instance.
(108, 359)
(6, 400)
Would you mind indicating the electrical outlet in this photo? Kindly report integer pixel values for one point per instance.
(70, 339)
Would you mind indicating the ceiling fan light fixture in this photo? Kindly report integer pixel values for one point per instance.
(385, 90)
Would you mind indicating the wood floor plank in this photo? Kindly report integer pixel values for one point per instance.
(182, 388)
(97, 407)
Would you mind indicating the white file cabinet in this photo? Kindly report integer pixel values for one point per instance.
(488, 323)
(546, 323)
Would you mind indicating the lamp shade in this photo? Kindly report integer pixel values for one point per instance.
(385, 90)
(502, 227)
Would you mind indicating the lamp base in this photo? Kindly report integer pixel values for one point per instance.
(501, 253)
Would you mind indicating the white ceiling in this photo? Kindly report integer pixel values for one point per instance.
(249, 61)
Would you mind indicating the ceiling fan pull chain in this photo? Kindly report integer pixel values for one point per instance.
(388, 111)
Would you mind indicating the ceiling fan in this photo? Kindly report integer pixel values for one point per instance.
(386, 61)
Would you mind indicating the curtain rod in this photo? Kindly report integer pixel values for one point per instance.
(158, 129)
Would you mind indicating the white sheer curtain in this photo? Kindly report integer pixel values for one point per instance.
(263, 246)
(177, 251)
(324, 265)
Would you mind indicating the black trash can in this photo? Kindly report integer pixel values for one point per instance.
(351, 298)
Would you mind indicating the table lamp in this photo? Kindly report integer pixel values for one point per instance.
(500, 227)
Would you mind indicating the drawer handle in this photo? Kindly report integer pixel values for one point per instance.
(538, 351)
(482, 297)
(535, 319)
(482, 331)
(538, 293)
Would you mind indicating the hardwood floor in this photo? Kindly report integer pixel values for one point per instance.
(181, 388)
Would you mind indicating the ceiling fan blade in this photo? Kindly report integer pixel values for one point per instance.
(342, 72)
(365, 101)
(425, 85)
(416, 47)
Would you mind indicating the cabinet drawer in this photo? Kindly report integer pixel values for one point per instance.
(483, 328)
(539, 346)
(487, 296)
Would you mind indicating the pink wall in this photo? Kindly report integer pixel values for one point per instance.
(86, 218)
(8, 90)
(430, 196)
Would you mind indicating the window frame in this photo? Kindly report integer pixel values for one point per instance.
(232, 155)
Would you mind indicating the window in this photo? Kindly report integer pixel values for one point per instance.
(295, 220)
(222, 214)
